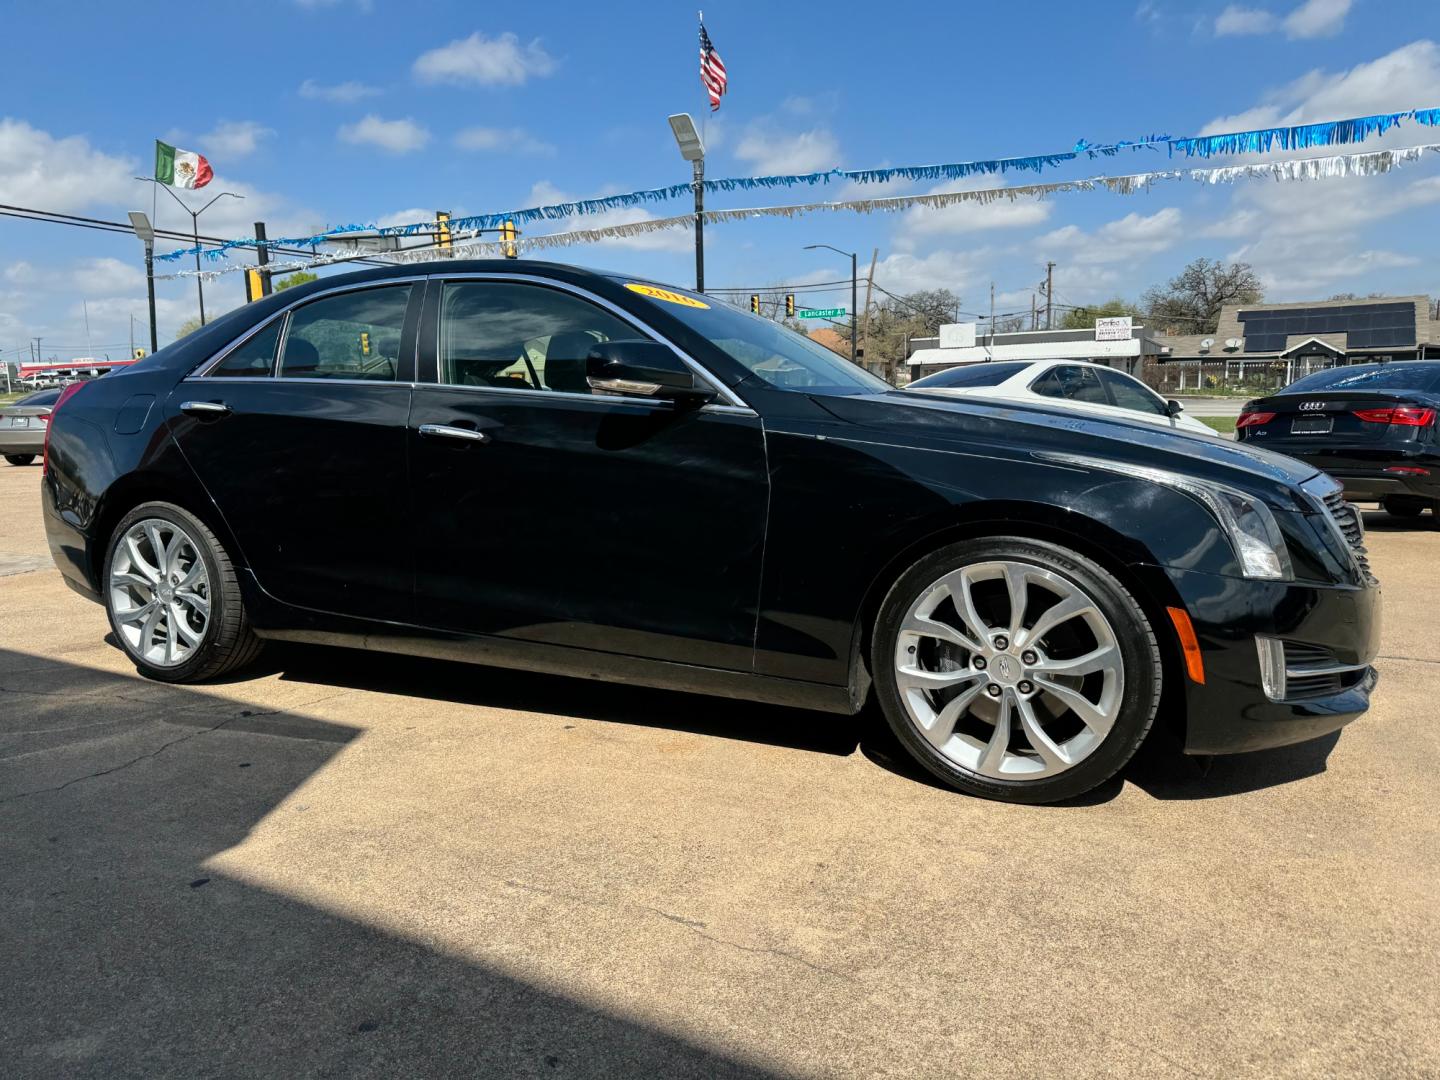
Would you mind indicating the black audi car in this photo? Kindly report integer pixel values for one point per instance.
(1371, 426)
(535, 466)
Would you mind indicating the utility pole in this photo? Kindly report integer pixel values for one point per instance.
(699, 224)
(132, 335)
(1033, 315)
(262, 257)
(992, 314)
(869, 285)
(1049, 296)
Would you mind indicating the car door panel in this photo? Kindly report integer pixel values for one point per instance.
(311, 477)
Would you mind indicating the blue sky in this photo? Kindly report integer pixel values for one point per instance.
(323, 113)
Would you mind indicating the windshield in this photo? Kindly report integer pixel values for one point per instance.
(776, 356)
(982, 374)
(1401, 375)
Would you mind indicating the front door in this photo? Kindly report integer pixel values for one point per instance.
(571, 518)
(298, 435)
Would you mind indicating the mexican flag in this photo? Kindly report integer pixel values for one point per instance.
(181, 168)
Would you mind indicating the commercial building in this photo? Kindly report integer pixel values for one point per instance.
(1274, 344)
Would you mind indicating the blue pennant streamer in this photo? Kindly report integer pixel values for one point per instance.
(1262, 140)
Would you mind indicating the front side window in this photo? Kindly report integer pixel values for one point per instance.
(354, 335)
(1073, 382)
(254, 358)
(514, 336)
(1132, 395)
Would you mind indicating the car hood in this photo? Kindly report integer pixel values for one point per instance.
(1013, 427)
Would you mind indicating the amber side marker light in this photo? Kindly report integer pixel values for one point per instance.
(1194, 664)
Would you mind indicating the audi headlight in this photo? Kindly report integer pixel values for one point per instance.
(1246, 521)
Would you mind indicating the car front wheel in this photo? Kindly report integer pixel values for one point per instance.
(173, 598)
(1016, 669)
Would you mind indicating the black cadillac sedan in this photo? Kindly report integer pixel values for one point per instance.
(534, 466)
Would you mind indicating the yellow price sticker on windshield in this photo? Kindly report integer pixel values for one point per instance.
(666, 295)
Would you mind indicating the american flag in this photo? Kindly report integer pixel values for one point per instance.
(712, 69)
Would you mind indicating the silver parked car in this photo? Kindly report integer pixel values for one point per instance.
(23, 424)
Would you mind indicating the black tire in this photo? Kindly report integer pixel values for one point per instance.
(1404, 506)
(228, 643)
(1135, 637)
(19, 459)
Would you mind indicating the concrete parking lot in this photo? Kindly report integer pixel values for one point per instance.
(350, 865)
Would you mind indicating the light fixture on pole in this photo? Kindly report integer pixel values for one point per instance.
(194, 230)
(692, 149)
(854, 295)
(146, 232)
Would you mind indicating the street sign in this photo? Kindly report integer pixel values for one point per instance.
(821, 312)
(1113, 329)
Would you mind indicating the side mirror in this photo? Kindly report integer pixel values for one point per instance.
(644, 369)
(1173, 408)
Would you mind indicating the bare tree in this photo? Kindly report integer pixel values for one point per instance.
(1190, 302)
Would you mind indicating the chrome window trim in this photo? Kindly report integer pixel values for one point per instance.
(203, 370)
(732, 399)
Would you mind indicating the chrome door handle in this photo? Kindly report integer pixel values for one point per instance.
(443, 431)
(205, 408)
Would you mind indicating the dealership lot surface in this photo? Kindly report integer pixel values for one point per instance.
(345, 864)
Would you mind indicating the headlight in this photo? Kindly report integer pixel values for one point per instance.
(1246, 521)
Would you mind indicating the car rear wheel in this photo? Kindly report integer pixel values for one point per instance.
(19, 459)
(1015, 669)
(173, 598)
(1405, 506)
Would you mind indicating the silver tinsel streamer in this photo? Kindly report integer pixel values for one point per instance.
(1373, 163)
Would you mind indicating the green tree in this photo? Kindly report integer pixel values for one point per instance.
(188, 327)
(1190, 302)
(1083, 318)
(300, 277)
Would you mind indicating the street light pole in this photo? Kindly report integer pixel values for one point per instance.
(854, 297)
(146, 232)
(195, 231)
(692, 149)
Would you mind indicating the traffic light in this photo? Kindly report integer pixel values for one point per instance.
(139, 353)
(442, 229)
(755, 303)
(508, 235)
(364, 343)
(254, 286)
(789, 305)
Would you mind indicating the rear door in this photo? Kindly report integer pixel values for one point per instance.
(548, 513)
(298, 435)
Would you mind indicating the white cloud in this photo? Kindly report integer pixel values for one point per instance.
(1398, 80)
(767, 151)
(958, 271)
(923, 222)
(1312, 19)
(1317, 18)
(485, 61)
(1131, 238)
(233, 139)
(39, 170)
(1237, 21)
(503, 140)
(345, 93)
(392, 136)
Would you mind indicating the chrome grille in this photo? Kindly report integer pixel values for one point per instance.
(1347, 519)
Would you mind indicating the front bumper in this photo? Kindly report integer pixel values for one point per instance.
(1230, 713)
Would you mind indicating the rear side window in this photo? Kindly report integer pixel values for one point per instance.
(1130, 394)
(520, 337)
(253, 358)
(989, 374)
(353, 335)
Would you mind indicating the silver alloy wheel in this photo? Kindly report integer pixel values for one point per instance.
(160, 592)
(1026, 691)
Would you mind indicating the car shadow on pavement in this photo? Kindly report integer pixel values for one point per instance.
(1380, 521)
(124, 955)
